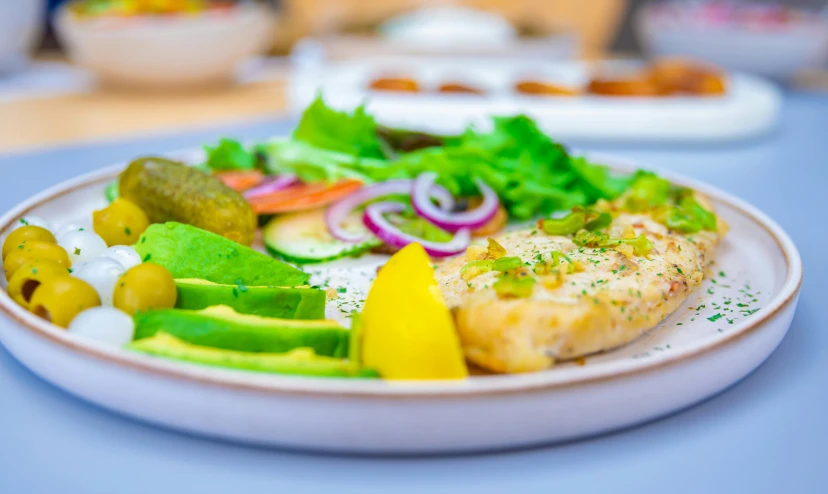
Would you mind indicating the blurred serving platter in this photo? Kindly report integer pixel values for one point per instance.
(446, 95)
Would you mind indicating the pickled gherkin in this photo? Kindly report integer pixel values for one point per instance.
(171, 191)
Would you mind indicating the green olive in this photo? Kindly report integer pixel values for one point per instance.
(32, 250)
(24, 234)
(120, 223)
(30, 276)
(60, 299)
(146, 286)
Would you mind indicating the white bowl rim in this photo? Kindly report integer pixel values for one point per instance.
(245, 13)
(272, 384)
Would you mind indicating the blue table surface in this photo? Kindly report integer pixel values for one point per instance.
(768, 433)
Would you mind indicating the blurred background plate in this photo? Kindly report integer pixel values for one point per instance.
(143, 51)
(750, 106)
(446, 31)
(771, 40)
(20, 28)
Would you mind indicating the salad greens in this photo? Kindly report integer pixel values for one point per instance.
(531, 173)
(229, 155)
(354, 134)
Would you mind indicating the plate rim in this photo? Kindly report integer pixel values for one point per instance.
(280, 385)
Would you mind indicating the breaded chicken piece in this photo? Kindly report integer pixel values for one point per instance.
(613, 299)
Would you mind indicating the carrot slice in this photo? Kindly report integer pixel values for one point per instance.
(241, 180)
(302, 197)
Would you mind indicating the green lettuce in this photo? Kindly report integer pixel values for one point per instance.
(229, 154)
(531, 173)
(350, 133)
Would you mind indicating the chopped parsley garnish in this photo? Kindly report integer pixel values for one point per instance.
(715, 317)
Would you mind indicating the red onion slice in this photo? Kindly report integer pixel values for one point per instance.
(375, 220)
(336, 213)
(274, 184)
(444, 218)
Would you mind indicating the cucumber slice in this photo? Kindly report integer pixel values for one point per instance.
(303, 238)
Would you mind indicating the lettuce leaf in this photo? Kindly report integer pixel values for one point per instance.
(531, 173)
(314, 164)
(229, 155)
(351, 133)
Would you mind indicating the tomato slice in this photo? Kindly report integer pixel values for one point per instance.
(241, 180)
(303, 196)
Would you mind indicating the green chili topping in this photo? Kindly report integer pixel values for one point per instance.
(640, 244)
(510, 285)
(647, 192)
(472, 269)
(507, 264)
(577, 219)
(688, 216)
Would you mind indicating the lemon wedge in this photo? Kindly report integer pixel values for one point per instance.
(407, 330)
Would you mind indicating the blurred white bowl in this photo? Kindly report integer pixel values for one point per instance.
(166, 52)
(775, 53)
(20, 24)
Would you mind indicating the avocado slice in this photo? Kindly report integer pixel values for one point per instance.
(266, 301)
(355, 338)
(190, 252)
(222, 327)
(299, 361)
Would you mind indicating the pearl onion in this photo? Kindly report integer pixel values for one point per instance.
(124, 254)
(104, 324)
(82, 247)
(102, 273)
(68, 228)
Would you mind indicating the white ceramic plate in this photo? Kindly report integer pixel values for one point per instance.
(686, 359)
(750, 107)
